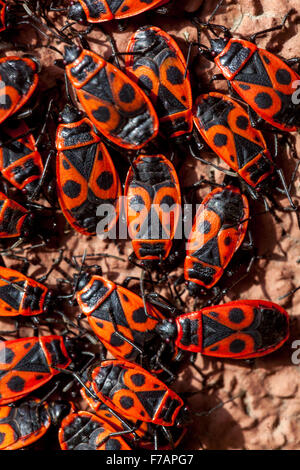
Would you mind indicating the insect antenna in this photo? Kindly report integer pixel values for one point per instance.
(220, 405)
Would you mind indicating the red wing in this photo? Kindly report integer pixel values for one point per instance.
(273, 100)
(20, 375)
(133, 400)
(225, 127)
(162, 75)
(119, 109)
(218, 231)
(86, 179)
(242, 329)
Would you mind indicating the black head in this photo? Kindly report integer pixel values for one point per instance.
(70, 114)
(71, 54)
(59, 410)
(167, 330)
(83, 279)
(218, 45)
(77, 13)
(184, 417)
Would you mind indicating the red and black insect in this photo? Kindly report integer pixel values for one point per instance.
(240, 329)
(157, 65)
(218, 231)
(15, 220)
(28, 363)
(129, 389)
(20, 161)
(118, 318)
(142, 431)
(85, 431)
(226, 128)
(153, 207)
(263, 80)
(19, 77)
(118, 108)
(24, 424)
(97, 11)
(22, 295)
(149, 436)
(86, 176)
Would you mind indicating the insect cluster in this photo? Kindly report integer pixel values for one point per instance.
(121, 128)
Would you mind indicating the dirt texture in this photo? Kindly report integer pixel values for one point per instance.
(267, 414)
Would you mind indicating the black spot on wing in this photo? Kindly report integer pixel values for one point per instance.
(102, 114)
(236, 315)
(237, 346)
(283, 77)
(127, 93)
(105, 180)
(16, 384)
(126, 402)
(263, 100)
(71, 189)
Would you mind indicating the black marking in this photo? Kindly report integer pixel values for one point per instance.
(242, 122)
(190, 330)
(151, 400)
(175, 76)
(213, 331)
(8, 355)
(145, 82)
(246, 150)
(235, 57)
(209, 253)
(127, 93)
(167, 203)
(102, 114)
(228, 240)
(254, 72)
(65, 164)
(237, 346)
(138, 380)
(139, 315)
(283, 77)
(244, 87)
(105, 180)
(57, 356)
(71, 189)
(116, 340)
(263, 100)
(126, 402)
(220, 140)
(16, 384)
(236, 315)
(95, 292)
(34, 361)
(204, 227)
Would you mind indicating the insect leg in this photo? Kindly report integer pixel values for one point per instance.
(269, 30)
